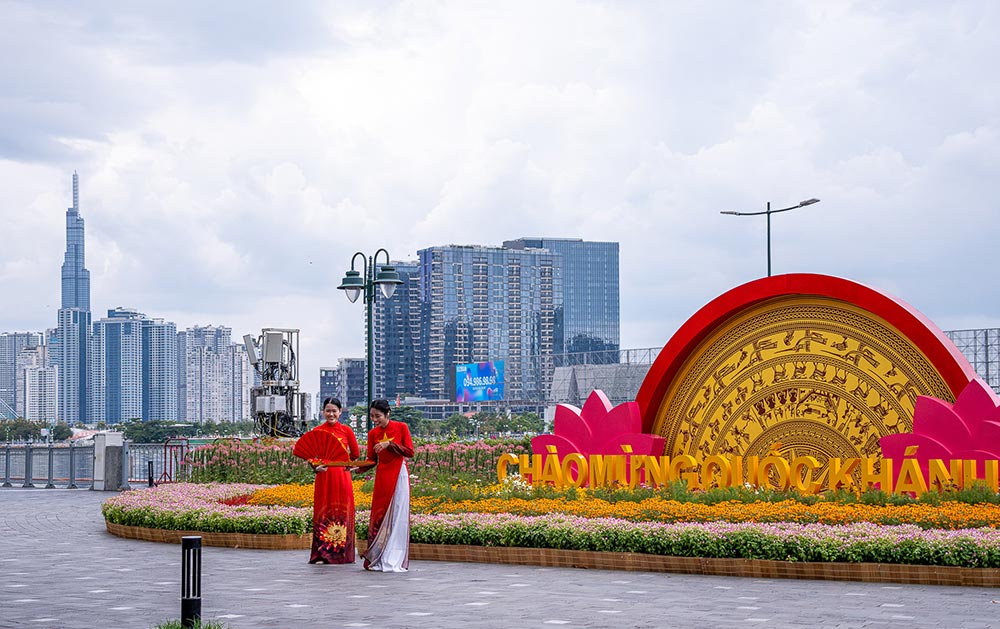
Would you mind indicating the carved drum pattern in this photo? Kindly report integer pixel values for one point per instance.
(798, 375)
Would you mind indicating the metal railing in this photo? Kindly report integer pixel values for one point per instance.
(71, 466)
(47, 465)
(165, 457)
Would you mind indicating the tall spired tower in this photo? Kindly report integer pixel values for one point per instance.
(74, 319)
(75, 277)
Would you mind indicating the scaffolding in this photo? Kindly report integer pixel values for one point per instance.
(619, 373)
(982, 348)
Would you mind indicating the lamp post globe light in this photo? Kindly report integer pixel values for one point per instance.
(769, 212)
(354, 284)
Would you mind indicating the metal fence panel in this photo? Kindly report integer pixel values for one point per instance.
(71, 466)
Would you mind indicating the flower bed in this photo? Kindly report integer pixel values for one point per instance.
(191, 507)
(216, 508)
(948, 515)
(270, 461)
(748, 540)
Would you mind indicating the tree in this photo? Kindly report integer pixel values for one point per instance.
(458, 424)
(156, 431)
(526, 422)
(20, 429)
(412, 417)
(61, 432)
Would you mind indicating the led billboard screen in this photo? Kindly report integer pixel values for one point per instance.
(479, 382)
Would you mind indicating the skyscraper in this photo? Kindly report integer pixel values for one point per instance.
(75, 276)
(27, 359)
(74, 318)
(591, 317)
(208, 374)
(522, 303)
(397, 335)
(40, 394)
(484, 304)
(346, 383)
(115, 364)
(159, 370)
(11, 346)
(242, 381)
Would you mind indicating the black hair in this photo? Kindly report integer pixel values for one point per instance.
(380, 405)
(332, 400)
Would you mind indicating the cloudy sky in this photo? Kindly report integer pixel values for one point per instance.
(233, 155)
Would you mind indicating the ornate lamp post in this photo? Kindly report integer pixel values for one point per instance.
(354, 284)
(769, 212)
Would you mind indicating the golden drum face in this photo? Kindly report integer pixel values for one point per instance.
(799, 375)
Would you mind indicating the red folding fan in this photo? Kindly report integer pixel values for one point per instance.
(322, 447)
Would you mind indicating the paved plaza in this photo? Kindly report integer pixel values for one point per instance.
(60, 568)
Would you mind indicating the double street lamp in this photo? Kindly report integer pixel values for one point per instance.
(769, 212)
(353, 284)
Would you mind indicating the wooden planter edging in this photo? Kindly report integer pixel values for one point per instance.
(226, 540)
(756, 568)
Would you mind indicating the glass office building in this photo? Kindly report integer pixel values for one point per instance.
(522, 303)
(470, 304)
(74, 318)
(591, 317)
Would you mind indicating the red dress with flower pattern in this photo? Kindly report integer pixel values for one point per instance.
(333, 503)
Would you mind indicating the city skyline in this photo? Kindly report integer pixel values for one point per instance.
(229, 184)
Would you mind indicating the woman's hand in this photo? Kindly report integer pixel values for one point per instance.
(319, 468)
(381, 445)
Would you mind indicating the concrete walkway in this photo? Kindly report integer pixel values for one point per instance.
(60, 568)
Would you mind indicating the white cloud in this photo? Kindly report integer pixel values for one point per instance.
(231, 165)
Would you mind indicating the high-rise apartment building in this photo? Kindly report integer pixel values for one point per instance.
(73, 339)
(478, 304)
(243, 379)
(521, 303)
(329, 386)
(133, 368)
(115, 367)
(591, 316)
(208, 374)
(159, 370)
(397, 336)
(11, 346)
(41, 400)
(347, 382)
(29, 358)
(74, 318)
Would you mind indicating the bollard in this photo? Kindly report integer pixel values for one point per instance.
(190, 580)
(6, 467)
(150, 465)
(72, 468)
(27, 466)
(50, 484)
(125, 471)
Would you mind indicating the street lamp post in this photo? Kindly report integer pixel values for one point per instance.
(769, 212)
(353, 285)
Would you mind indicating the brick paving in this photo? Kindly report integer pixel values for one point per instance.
(59, 568)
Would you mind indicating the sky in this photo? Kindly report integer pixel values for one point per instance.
(234, 155)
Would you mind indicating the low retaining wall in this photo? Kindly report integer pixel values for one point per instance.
(226, 540)
(757, 568)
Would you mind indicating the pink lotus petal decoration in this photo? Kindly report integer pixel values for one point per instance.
(598, 428)
(968, 429)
